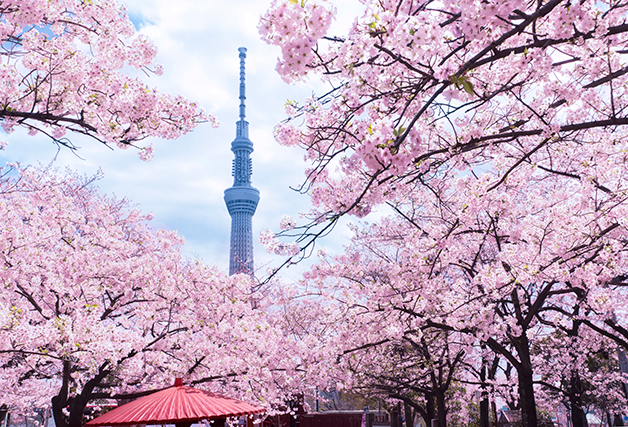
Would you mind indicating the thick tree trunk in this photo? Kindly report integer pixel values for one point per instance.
(526, 383)
(617, 420)
(442, 412)
(427, 412)
(431, 408)
(78, 403)
(395, 418)
(484, 417)
(526, 398)
(3, 413)
(484, 412)
(578, 417)
(77, 410)
(409, 415)
(423, 414)
(60, 401)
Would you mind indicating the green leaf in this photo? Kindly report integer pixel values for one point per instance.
(399, 131)
(455, 79)
(468, 87)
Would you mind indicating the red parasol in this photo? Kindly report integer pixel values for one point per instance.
(176, 405)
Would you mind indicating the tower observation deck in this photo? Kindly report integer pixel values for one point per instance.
(242, 197)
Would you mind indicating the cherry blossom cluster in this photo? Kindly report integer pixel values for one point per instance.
(495, 131)
(404, 75)
(287, 223)
(496, 270)
(62, 70)
(296, 26)
(96, 303)
(273, 245)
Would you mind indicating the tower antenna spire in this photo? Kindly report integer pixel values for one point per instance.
(242, 51)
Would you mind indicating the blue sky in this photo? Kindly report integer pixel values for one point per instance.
(183, 185)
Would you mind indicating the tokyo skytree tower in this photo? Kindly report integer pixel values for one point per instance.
(242, 198)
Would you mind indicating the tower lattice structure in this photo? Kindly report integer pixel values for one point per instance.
(242, 197)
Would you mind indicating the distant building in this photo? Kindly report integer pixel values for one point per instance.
(242, 197)
(510, 418)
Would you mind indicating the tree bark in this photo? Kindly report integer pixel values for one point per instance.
(526, 383)
(77, 410)
(60, 401)
(578, 417)
(431, 408)
(394, 417)
(442, 412)
(484, 411)
(4, 410)
(409, 415)
(79, 403)
(617, 420)
(526, 396)
(483, 398)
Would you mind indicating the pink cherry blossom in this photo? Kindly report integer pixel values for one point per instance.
(70, 77)
(92, 290)
(495, 132)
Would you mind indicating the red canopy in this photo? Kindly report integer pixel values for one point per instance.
(175, 405)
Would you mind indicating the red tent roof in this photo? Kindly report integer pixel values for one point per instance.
(175, 405)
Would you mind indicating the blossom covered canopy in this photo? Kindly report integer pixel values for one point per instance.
(422, 86)
(495, 133)
(95, 303)
(62, 70)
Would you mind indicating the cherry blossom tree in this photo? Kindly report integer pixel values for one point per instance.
(396, 283)
(95, 304)
(421, 369)
(418, 88)
(496, 133)
(590, 381)
(61, 70)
